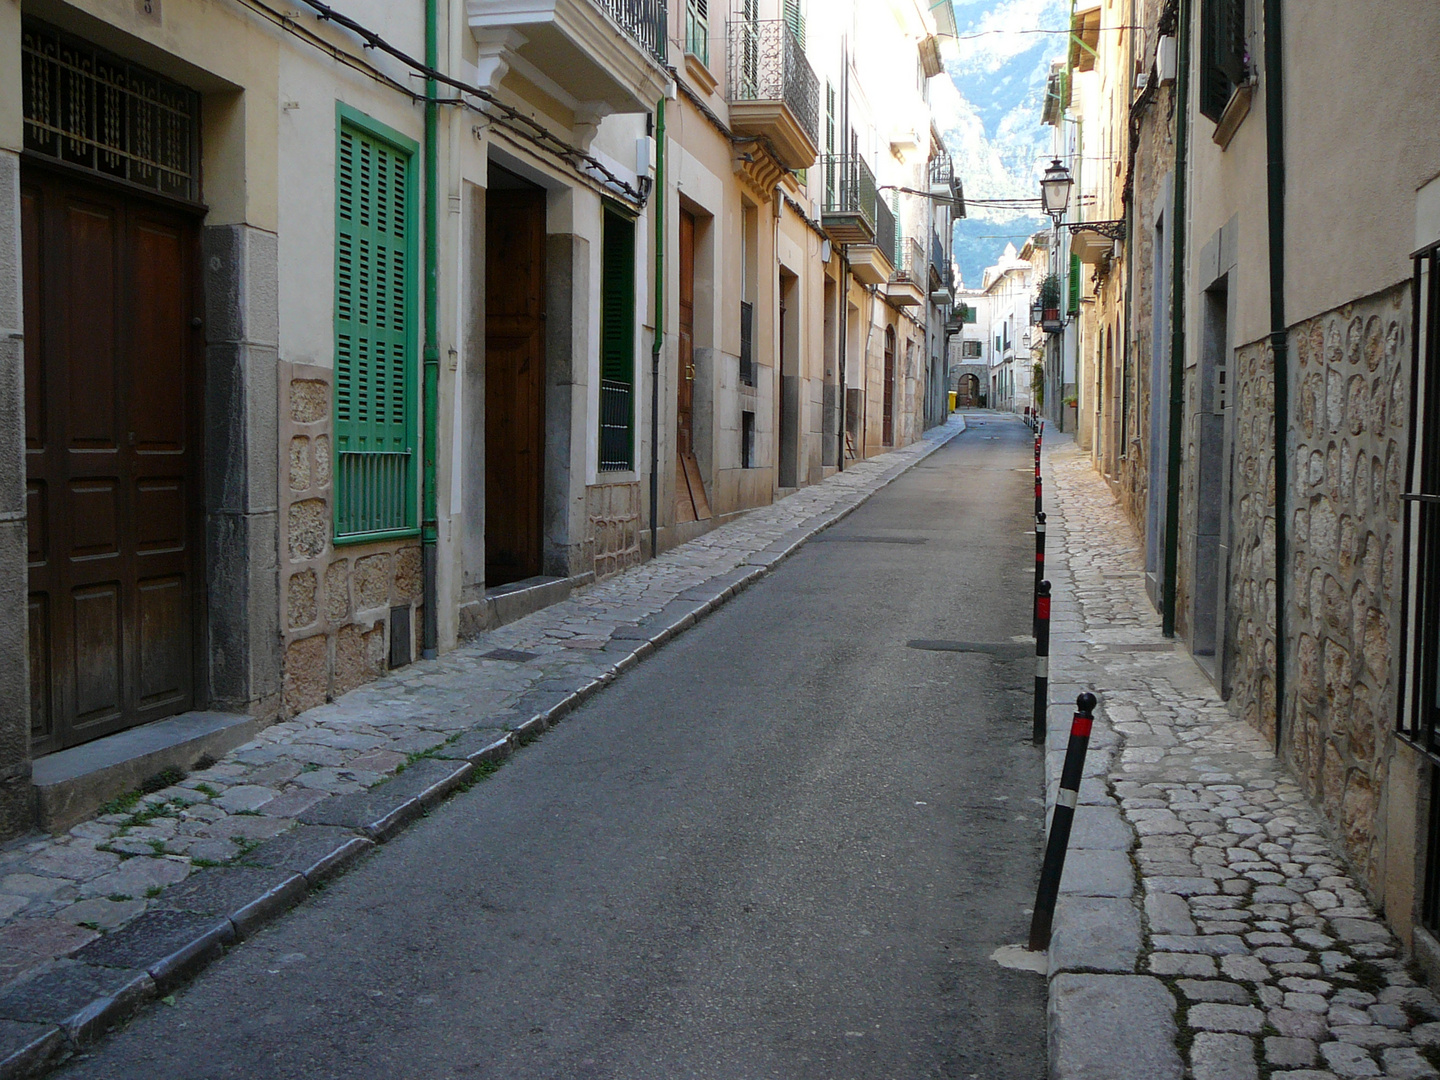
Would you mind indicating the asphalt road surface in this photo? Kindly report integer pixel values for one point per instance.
(782, 848)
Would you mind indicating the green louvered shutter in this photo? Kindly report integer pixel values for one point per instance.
(617, 344)
(374, 397)
(795, 19)
(1074, 308)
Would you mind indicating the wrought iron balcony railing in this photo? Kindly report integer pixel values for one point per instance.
(940, 260)
(767, 63)
(643, 20)
(910, 262)
(942, 171)
(884, 229)
(850, 187)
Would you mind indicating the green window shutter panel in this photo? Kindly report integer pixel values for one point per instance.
(374, 399)
(617, 343)
(795, 19)
(1074, 283)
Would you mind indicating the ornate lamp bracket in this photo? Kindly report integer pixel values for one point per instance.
(1111, 230)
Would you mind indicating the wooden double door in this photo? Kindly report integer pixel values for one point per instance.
(112, 452)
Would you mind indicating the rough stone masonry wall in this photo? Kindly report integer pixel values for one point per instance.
(1349, 385)
(612, 513)
(335, 603)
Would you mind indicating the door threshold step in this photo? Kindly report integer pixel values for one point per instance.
(507, 603)
(70, 785)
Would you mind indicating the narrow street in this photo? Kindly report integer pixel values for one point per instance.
(784, 847)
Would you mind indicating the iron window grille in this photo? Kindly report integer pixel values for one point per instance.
(87, 108)
(767, 63)
(1419, 719)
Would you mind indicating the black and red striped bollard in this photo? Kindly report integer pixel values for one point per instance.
(1042, 660)
(1060, 822)
(1039, 561)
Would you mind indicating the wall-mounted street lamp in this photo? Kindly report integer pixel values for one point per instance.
(1055, 190)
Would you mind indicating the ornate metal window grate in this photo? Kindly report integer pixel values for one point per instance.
(96, 111)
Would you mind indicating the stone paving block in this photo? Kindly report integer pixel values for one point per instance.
(1281, 1051)
(1090, 872)
(1218, 1017)
(27, 944)
(247, 895)
(1215, 1056)
(478, 747)
(1214, 990)
(29, 1049)
(1094, 934)
(1347, 1060)
(1192, 964)
(316, 852)
(1407, 1064)
(136, 877)
(1101, 828)
(1168, 914)
(1112, 1027)
(83, 1000)
(430, 780)
(171, 945)
(380, 815)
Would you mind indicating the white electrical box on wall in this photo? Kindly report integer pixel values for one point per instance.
(1165, 59)
(644, 155)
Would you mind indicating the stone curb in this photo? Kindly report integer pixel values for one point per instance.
(361, 821)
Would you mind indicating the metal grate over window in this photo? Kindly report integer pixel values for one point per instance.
(96, 111)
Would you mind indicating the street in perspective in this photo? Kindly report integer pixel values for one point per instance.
(774, 540)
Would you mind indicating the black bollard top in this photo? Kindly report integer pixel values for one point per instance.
(1040, 517)
(1086, 703)
(1045, 591)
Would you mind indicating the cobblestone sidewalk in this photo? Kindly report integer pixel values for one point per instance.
(94, 922)
(1207, 928)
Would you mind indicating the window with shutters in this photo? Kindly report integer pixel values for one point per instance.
(1224, 61)
(375, 422)
(795, 19)
(617, 344)
(1074, 308)
(697, 29)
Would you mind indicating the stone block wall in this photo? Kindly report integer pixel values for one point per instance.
(1250, 628)
(1349, 404)
(1349, 374)
(335, 602)
(612, 513)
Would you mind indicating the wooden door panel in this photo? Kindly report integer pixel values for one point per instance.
(91, 250)
(97, 660)
(514, 385)
(109, 491)
(157, 335)
(164, 659)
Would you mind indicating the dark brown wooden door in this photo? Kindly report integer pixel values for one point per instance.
(514, 384)
(690, 501)
(112, 447)
(888, 421)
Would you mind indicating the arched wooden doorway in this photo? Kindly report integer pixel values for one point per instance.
(888, 423)
(968, 396)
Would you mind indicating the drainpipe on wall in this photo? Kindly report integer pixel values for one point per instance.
(430, 403)
(1279, 340)
(659, 342)
(1177, 321)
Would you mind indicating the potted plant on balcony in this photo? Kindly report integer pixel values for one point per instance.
(1049, 297)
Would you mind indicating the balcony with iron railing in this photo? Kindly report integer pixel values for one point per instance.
(848, 214)
(907, 280)
(939, 262)
(773, 91)
(885, 230)
(603, 53)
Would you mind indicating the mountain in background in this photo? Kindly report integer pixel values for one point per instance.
(989, 115)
